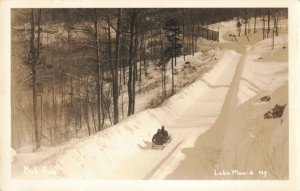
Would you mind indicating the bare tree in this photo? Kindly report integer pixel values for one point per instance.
(34, 59)
(132, 21)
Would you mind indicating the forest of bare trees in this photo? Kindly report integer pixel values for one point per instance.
(76, 72)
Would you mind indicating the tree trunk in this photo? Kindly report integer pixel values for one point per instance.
(245, 26)
(115, 80)
(144, 57)
(273, 35)
(140, 63)
(80, 107)
(183, 40)
(192, 39)
(135, 64)
(53, 106)
(196, 38)
(123, 70)
(276, 23)
(87, 109)
(162, 82)
(175, 48)
(172, 69)
(155, 55)
(33, 57)
(255, 22)
(151, 45)
(263, 28)
(268, 31)
(130, 58)
(98, 91)
(62, 96)
(93, 116)
(249, 20)
(71, 104)
(110, 58)
(102, 102)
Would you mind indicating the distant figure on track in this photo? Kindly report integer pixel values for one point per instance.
(239, 26)
(158, 138)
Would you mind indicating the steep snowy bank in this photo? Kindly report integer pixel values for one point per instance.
(252, 142)
(263, 71)
(241, 139)
(98, 156)
(256, 144)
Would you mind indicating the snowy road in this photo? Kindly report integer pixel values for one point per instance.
(147, 163)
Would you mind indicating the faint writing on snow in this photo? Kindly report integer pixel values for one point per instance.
(39, 170)
(235, 172)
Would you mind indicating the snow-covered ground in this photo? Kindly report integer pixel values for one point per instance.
(107, 154)
(263, 69)
(242, 144)
(200, 62)
(251, 142)
(216, 123)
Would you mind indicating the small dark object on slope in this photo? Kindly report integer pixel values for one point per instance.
(276, 112)
(265, 98)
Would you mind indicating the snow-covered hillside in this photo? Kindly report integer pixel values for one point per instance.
(101, 155)
(217, 124)
(265, 69)
(253, 142)
(244, 143)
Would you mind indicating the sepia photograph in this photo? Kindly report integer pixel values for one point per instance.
(143, 94)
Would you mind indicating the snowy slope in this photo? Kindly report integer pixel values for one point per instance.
(107, 153)
(241, 140)
(123, 151)
(263, 71)
(251, 142)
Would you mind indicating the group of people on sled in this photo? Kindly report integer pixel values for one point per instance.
(161, 136)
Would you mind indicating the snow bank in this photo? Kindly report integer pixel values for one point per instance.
(253, 143)
(184, 99)
(260, 73)
(229, 57)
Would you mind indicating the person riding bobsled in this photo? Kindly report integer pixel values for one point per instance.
(158, 138)
(161, 136)
(164, 134)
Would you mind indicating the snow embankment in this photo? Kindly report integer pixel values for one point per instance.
(255, 144)
(264, 69)
(98, 156)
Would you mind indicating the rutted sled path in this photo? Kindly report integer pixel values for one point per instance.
(124, 151)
